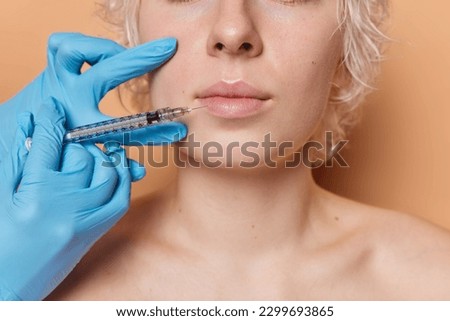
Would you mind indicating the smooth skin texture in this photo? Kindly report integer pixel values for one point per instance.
(259, 234)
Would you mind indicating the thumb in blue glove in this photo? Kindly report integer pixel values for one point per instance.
(55, 204)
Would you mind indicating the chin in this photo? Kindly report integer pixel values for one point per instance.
(232, 156)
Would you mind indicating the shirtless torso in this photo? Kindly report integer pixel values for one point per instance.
(357, 253)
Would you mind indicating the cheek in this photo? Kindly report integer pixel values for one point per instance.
(308, 65)
(169, 85)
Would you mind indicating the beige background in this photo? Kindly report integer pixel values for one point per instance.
(399, 154)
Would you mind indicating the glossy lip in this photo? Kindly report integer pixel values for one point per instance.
(233, 99)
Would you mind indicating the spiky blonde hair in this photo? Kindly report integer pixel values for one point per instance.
(361, 24)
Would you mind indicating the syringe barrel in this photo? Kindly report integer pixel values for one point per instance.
(90, 132)
(122, 124)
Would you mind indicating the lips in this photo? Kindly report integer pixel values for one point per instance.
(233, 100)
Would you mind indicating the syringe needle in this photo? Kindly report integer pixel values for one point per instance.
(191, 109)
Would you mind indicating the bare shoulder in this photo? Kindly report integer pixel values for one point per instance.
(414, 251)
(410, 256)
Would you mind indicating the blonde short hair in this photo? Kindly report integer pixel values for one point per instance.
(361, 25)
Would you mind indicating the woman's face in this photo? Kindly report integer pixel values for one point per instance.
(262, 67)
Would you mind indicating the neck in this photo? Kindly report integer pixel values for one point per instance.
(227, 211)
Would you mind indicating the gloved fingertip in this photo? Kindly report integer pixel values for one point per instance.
(174, 133)
(137, 171)
(53, 42)
(164, 134)
(165, 44)
(112, 147)
(55, 39)
(164, 47)
(182, 132)
(169, 42)
(137, 178)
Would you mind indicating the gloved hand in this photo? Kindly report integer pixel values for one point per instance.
(80, 93)
(55, 205)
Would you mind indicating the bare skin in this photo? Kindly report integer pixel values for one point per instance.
(347, 251)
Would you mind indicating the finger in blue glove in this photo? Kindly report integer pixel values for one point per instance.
(54, 211)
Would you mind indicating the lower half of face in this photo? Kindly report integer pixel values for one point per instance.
(264, 69)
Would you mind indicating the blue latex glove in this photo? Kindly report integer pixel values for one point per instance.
(55, 204)
(80, 93)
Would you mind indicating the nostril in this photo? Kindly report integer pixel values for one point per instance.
(246, 46)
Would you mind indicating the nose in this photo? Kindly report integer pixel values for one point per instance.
(233, 32)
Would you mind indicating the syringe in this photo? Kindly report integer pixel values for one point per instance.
(95, 131)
